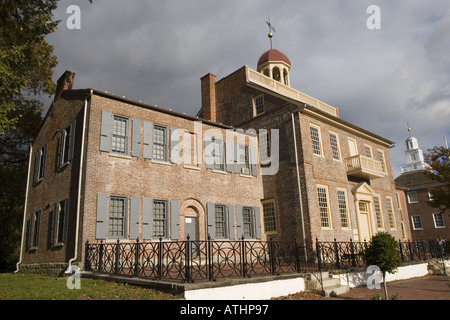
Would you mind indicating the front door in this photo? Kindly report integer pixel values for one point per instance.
(190, 228)
(365, 229)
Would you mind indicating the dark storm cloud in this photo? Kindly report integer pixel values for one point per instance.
(157, 51)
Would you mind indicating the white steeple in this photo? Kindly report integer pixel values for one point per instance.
(414, 155)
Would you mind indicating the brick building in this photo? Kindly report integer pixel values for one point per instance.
(108, 168)
(427, 223)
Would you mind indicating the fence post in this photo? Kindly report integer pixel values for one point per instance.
(136, 258)
(318, 254)
(210, 258)
(243, 258)
(187, 254)
(297, 256)
(100, 257)
(352, 253)
(87, 263)
(400, 245)
(116, 265)
(336, 253)
(273, 266)
(160, 255)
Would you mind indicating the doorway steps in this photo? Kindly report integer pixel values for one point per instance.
(323, 283)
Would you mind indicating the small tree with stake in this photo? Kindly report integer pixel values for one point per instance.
(383, 252)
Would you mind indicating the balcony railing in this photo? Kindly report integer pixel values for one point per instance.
(269, 83)
(364, 167)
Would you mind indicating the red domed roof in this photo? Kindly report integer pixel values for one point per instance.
(273, 55)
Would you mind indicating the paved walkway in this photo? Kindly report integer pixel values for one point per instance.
(424, 288)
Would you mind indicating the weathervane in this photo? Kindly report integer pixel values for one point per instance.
(271, 31)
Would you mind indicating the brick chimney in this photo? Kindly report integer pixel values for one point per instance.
(209, 97)
(65, 82)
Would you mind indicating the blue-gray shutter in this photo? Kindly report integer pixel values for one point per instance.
(208, 151)
(102, 216)
(174, 145)
(237, 165)
(211, 219)
(229, 155)
(72, 140)
(37, 223)
(258, 222)
(136, 138)
(174, 219)
(239, 221)
(252, 158)
(147, 217)
(65, 220)
(231, 229)
(105, 134)
(134, 217)
(53, 228)
(148, 140)
(44, 160)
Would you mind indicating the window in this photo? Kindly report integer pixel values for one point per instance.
(159, 143)
(117, 217)
(59, 222)
(190, 149)
(65, 146)
(315, 139)
(412, 197)
(34, 225)
(382, 160)
(119, 141)
(324, 212)
(335, 146)
(390, 213)
(342, 200)
(39, 164)
(378, 214)
(218, 162)
(363, 207)
(258, 105)
(160, 219)
(247, 215)
(416, 222)
(264, 146)
(438, 219)
(220, 221)
(244, 160)
(270, 222)
(368, 151)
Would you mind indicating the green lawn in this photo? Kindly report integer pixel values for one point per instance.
(36, 287)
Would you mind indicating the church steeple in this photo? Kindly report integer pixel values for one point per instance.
(414, 155)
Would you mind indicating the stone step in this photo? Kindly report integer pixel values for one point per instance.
(314, 284)
(335, 291)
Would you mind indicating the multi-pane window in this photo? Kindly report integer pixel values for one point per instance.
(60, 221)
(270, 222)
(39, 164)
(36, 227)
(220, 221)
(244, 161)
(342, 201)
(264, 146)
(390, 213)
(159, 219)
(159, 143)
(117, 216)
(438, 220)
(416, 223)
(315, 139)
(259, 105)
(378, 214)
(248, 222)
(218, 162)
(383, 162)
(412, 197)
(335, 146)
(119, 141)
(368, 151)
(324, 211)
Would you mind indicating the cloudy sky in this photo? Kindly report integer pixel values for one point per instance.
(157, 51)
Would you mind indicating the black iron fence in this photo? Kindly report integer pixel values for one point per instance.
(190, 261)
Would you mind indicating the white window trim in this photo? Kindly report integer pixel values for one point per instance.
(408, 198)
(338, 146)
(413, 225)
(330, 221)
(320, 140)
(434, 220)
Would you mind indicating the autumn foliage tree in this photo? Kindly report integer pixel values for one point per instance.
(438, 160)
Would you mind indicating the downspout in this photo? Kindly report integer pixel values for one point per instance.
(80, 176)
(25, 211)
(299, 186)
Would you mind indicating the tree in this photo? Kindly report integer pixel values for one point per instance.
(383, 252)
(26, 63)
(26, 59)
(438, 160)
